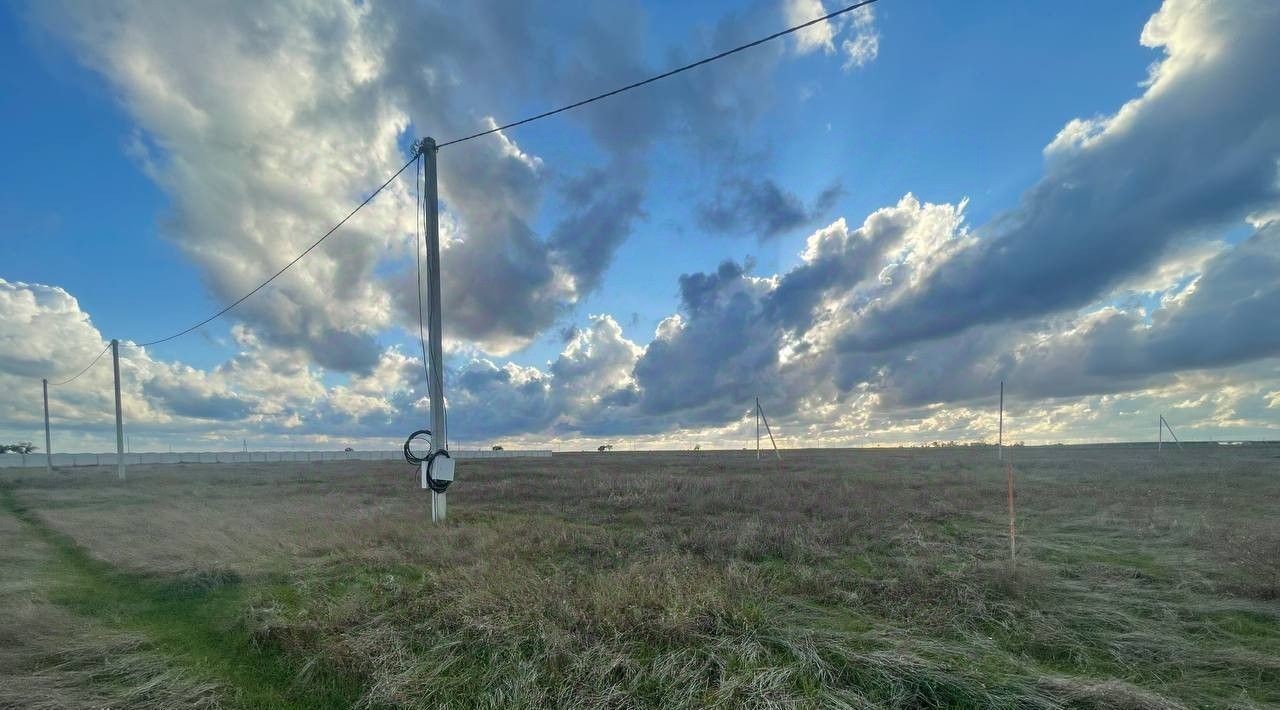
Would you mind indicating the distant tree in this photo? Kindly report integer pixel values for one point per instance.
(497, 447)
(697, 447)
(604, 447)
(22, 447)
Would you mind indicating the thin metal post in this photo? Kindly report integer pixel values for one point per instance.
(115, 366)
(757, 428)
(48, 445)
(1160, 433)
(1165, 422)
(435, 341)
(1000, 441)
(768, 430)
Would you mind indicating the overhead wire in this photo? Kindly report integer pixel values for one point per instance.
(419, 199)
(530, 119)
(76, 376)
(664, 75)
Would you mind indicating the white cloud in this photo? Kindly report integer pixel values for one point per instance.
(897, 329)
(864, 47)
(860, 46)
(817, 37)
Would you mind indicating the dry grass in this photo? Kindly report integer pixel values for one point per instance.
(838, 578)
(52, 658)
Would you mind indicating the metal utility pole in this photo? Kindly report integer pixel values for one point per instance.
(769, 430)
(115, 367)
(435, 347)
(1164, 423)
(1000, 441)
(48, 447)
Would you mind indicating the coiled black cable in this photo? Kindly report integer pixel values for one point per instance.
(429, 459)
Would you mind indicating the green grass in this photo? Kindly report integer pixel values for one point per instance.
(833, 579)
(196, 619)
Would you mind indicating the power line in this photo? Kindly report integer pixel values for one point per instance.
(286, 267)
(663, 75)
(417, 153)
(86, 369)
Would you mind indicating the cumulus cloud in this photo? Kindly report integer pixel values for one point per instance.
(1117, 287)
(863, 48)
(860, 44)
(820, 36)
(1196, 151)
(310, 105)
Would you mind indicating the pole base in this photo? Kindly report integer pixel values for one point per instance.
(439, 507)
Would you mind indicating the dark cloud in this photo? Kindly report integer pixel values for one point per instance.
(1233, 315)
(702, 367)
(1197, 151)
(760, 207)
(186, 401)
(602, 211)
(569, 332)
(332, 349)
(1230, 317)
(706, 110)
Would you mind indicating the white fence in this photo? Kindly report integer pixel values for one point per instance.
(37, 460)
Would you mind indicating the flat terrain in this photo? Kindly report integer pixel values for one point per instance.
(863, 578)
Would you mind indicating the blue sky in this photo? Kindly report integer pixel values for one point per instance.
(105, 198)
(916, 120)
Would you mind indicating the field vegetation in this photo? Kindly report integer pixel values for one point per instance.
(834, 578)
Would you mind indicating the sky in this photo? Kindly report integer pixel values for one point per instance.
(869, 224)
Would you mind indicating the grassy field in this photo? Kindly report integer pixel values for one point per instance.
(866, 578)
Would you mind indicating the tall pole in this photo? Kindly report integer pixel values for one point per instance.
(48, 446)
(1160, 433)
(115, 366)
(435, 346)
(1000, 441)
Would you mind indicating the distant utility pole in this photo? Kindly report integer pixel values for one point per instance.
(115, 366)
(48, 446)
(443, 468)
(761, 416)
(1000, 440)
(1164, 424)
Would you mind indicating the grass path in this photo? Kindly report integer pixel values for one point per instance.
(195, 620)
